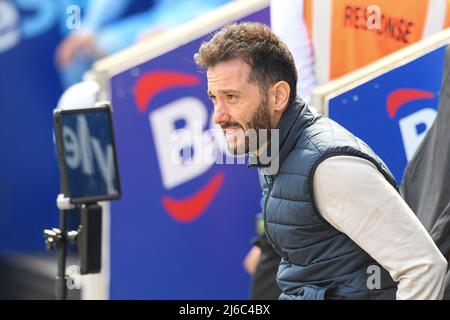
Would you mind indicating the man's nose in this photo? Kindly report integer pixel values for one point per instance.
(220, 113)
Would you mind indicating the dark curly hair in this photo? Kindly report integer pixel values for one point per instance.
(268, 57)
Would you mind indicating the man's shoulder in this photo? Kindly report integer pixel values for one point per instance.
(324, 133)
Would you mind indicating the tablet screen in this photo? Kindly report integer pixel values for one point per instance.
(87, 154)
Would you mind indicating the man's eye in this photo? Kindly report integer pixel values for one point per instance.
(212, 98)
(231, 97)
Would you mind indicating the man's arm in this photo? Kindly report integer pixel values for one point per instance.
(355, 198)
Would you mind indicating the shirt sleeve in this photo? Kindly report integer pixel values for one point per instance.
(355, 198)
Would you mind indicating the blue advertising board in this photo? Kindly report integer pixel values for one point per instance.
(29, 91)
(392, 112)
(179, 231)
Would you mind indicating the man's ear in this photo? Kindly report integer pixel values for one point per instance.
(280, 96)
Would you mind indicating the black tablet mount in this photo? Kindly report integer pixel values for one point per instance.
(83, 137)
(87, 238)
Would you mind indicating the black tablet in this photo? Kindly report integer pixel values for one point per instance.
(87, 154)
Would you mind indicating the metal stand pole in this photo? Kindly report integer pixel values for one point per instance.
(61, 247)
(57, 239)
(88, 238)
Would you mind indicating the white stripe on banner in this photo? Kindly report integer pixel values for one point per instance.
(435, 17)
(322, 38)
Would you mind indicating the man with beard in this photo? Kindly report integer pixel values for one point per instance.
(331, 209)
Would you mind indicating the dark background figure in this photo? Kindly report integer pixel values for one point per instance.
(262, 263)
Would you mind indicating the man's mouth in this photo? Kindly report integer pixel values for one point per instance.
(232, 134)
(232, 130)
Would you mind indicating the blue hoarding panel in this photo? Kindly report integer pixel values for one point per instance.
(393, 111)
(29, 90)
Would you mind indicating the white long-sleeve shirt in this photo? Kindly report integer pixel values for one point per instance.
(355, 198)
